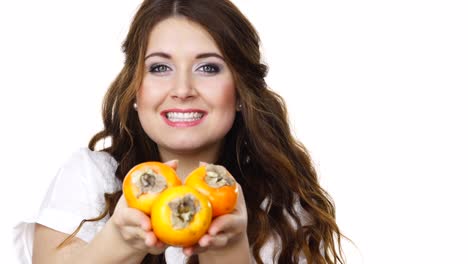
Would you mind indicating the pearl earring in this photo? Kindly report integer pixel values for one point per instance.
(239, 107)
(135, 106)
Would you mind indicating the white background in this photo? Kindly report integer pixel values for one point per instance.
(376, 90)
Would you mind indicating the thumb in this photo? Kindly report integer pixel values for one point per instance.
(122, 203)
(172, 163)
(202, 163)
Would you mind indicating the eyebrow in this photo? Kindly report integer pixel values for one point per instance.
(199, 56)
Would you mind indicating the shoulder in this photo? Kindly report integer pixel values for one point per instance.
(100, 160)
(90, 168)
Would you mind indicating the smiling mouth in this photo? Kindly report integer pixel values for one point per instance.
(184, 117)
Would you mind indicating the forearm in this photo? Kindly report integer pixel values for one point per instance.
(109, 247)
(106, 247)
(237, 253)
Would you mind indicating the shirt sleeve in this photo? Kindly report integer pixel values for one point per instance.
(77, 193)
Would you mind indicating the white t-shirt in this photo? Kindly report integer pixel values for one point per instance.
(77, 193)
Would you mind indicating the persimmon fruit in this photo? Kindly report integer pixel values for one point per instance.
(180, 216)
(145, 181)
(215, 182)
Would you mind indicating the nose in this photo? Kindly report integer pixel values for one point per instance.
(183, 87)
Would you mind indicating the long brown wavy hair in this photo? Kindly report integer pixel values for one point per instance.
(259, 150)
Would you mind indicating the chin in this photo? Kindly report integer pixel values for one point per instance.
(190, 146)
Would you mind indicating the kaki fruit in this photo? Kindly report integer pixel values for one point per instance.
(180, 216)
(144, 183)
(216, 183)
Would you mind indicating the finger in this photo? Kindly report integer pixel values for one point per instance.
(199, 247)
(150, 239)
(202, 163)
(156, 250)
(239, 188)
(224, 223)
(132, 217)
(241, 207)
(142, 240)
(173, 164)
(188, 251)
(132, 233)
(194, 250)
(123, 213)
(207, 242)
(220, 240)
(153, 242)
(121, 203)
(240, 194)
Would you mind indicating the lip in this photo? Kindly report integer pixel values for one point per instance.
(183, 124)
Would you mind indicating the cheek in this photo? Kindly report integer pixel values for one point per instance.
(150, 94)
(223, 95)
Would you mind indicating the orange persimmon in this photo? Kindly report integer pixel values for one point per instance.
(144, 182)
(215, 182)
(180, 216)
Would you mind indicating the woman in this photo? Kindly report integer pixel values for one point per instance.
(192, 89)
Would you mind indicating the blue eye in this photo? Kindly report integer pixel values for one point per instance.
(158, 68)
(209, 68)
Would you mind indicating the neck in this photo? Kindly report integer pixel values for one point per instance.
(188, 161)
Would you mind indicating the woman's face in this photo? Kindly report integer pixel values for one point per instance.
(186, 103)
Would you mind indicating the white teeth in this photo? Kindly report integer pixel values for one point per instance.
(183, 117)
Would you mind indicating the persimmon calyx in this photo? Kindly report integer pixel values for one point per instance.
(183, 210)
(217, 176)
(148, 181)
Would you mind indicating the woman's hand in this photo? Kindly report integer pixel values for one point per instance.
(135, 228)
(225, 230)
